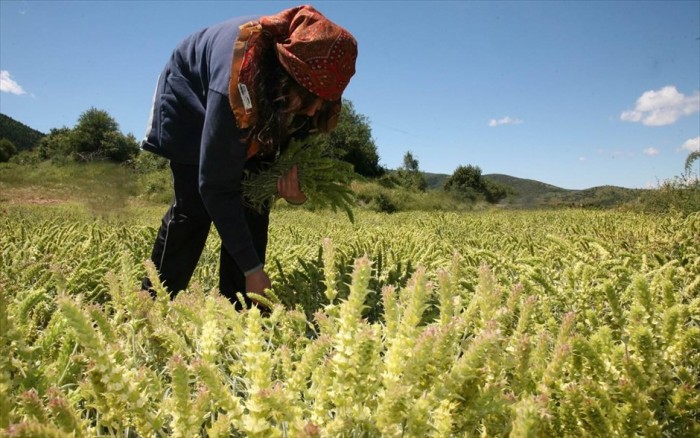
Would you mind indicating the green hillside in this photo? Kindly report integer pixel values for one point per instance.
(527, 191)
(21, 135)
(530, 193)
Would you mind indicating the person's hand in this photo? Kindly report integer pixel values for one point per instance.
(257, 282)
(288, 187)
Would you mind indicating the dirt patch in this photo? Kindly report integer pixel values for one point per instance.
(32, 196)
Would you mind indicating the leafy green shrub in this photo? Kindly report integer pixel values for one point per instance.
(7, 150)
(467, 183)
(56, 145)
(146, 162)
(156, 185)
(680, 194)
(382, 196)
(376, 197)
(28, 157)
(384, 204)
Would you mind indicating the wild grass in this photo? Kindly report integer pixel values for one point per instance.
(102, 188)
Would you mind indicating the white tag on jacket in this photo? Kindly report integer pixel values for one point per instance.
(245, 97)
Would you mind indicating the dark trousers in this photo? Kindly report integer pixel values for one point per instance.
(183, 233)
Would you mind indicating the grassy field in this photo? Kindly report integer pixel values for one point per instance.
(490, 323)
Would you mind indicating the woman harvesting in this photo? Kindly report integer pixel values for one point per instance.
(230, 98)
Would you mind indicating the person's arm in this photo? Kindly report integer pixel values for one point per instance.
(222, 159)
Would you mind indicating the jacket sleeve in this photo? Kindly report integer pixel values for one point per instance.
(221, 164)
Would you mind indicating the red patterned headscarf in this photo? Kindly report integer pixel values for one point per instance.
(317, 53)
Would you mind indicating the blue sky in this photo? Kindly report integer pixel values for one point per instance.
(574, 94)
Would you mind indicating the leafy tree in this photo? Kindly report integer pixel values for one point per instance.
(409, 175)
(467, 183)
(7, 149)
(410, 163)
(352, 141)
(119, 147)
(57, 144)
(96, 136)
(495, 192)
(93, 129)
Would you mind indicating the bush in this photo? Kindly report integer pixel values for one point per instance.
(156, 186)
(382, 196)
(146, 162)
(681, 194)
(375, 197)
(154, 177)
(118, 147)
(96, 137)
(30, 157)
(7, 149)
(467, 184)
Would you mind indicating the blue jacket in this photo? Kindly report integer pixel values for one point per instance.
(192, 123)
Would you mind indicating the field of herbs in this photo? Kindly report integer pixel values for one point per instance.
(559, 323)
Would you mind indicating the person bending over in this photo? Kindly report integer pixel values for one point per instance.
(229, 100)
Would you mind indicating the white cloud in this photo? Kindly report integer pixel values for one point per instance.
(662, 107)
(651, 151)
(691, 145)
(507, 120)
(582, 159)
(8, 85)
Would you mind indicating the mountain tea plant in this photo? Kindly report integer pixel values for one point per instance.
(566, 323)
(324, 180)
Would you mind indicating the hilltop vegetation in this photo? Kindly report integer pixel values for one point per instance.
(96, 137)
(528, 193)
(22, 136)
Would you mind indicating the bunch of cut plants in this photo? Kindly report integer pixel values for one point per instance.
(325, 180)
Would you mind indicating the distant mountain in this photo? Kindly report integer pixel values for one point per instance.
(529, 193)
(21, 135)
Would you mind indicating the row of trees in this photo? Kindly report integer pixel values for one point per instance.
(466, 183)
(96, 137)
